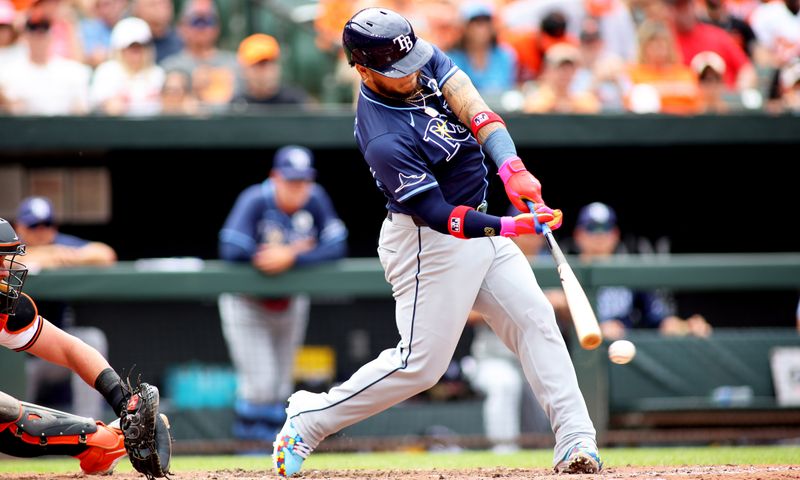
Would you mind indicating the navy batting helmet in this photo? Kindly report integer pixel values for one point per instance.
(384, 41)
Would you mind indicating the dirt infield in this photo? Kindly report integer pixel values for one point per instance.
(714, 472)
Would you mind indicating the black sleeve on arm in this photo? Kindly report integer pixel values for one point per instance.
(109, 385)
(431, 206)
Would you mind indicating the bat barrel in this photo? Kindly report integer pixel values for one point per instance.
(583, 317)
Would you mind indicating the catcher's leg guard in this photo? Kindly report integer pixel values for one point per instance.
(106, 448)
(38, 431)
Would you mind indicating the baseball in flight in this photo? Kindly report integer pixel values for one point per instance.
(621, 351)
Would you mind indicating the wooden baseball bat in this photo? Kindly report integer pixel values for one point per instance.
(583, 317)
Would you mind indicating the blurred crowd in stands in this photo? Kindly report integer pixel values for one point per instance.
(150, 57)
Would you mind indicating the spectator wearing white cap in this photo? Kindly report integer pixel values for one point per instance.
(710, 70)
(693, 37)
(130, 83)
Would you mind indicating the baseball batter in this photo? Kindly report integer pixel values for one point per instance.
(424, 129)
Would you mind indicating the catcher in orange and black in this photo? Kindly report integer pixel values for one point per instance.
(28, 430)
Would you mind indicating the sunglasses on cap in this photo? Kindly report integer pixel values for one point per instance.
(37, 26)
(203, 21)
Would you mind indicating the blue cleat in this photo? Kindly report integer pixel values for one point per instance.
(581, 458)
(289, 451)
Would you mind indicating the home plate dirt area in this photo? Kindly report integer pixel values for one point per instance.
(705, 472)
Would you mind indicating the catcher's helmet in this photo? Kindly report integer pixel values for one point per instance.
(12, 273)
(384, 41)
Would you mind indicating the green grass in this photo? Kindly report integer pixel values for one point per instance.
(470, 459)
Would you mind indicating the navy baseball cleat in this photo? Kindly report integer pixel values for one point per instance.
(581, 458)
(289, 451)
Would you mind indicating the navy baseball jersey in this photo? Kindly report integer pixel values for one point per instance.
(70, 240)
(256, 219)
(411, 148)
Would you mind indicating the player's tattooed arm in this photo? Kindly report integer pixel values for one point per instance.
(466, 102)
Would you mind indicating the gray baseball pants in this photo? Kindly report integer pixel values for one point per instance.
(436, 280)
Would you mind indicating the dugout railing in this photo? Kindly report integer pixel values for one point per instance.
(666, 394)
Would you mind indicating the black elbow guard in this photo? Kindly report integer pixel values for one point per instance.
(24, 315)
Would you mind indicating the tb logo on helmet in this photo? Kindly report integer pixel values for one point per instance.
(404, 42)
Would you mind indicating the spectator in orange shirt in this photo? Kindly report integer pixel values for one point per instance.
(553, 94)
(660, 67)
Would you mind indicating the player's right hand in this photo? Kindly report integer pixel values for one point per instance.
(520, 184)
(523, 224)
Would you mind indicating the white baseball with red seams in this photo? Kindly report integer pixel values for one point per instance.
(621, 351)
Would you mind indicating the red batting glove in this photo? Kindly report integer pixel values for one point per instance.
(523, 224)
(520, 184)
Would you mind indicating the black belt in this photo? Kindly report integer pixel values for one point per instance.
(421, 223)
(417, 221)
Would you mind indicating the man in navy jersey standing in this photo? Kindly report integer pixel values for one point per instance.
(424, 131)
(285, 221)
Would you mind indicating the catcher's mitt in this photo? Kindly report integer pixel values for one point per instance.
(147, 437)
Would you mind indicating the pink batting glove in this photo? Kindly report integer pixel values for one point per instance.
(523, 224)
(520, 184)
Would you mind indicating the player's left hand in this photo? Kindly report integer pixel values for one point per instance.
(146, 432)
(273, 259)
(523, 223)
(520, 184)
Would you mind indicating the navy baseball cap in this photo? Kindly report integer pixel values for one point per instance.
(597, 217)
(35, 211)
(295, 163)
